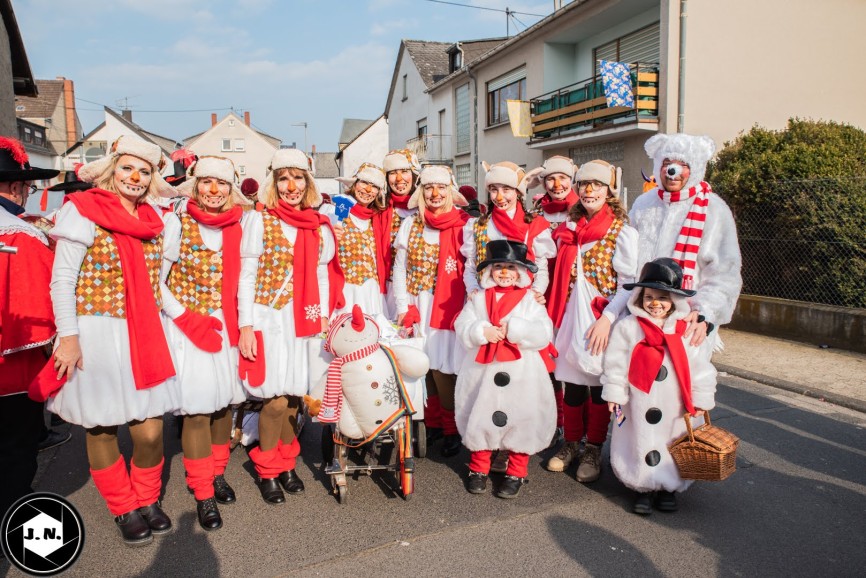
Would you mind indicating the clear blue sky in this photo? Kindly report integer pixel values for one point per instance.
(284, 61)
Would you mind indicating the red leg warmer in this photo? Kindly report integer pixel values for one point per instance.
(480, 461)
(598, 422)
(433, 412)
(518, 465)
(115, 488)
(574, 424)
(269, 464)
(199, 476)
(147, 482)
(449, 426)
(290, 453)
(220, 458)
(558, 395)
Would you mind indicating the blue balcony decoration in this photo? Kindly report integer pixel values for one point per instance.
(616, 79)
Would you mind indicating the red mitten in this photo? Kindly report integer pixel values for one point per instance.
(253, 371)
(46, 384)
(202, 330)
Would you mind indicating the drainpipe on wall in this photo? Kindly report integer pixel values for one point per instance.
(681, 104)
(475, 160)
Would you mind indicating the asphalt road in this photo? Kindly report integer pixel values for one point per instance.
(795, 507)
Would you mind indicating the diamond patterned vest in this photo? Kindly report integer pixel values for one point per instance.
(195, 279)
(598, 262)
(275, 263)
(356, 253)
(422, 260)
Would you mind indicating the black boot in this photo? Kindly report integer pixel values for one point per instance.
(434, 434)
(643, 504)
(134, 529)
(291, 482)
(666, 501)
(510, 487)
(476, 483)
(208, 514)
(223, 492)
(450, 445)
(271, 491)
(158, 520)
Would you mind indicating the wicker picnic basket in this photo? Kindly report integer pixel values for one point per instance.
(707, 452)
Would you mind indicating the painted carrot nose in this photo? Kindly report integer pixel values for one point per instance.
(292, 187)
(589, 188)
(358, 319)
(135, 176)
(399, 177)
(214, 188)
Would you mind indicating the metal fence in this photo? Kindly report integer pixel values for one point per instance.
(805, 240)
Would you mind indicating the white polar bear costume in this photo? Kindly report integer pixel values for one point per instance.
(639, 447)
(364, 392)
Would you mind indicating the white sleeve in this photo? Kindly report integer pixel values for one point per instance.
(469, 327)
(470, 275)
(534, 330)
(625, 265)
(544, 248)
(74, 234)
(252, 246)
(617, 357)
(719, 263)
(398, 279)
(704, 376)
(170, 252)
(329, 248)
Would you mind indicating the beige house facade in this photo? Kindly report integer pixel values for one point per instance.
(744, 63)
(232, 137)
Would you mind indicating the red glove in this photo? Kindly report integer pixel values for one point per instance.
(46, 384)
(253, 371)
(412, 317)
(202, 330)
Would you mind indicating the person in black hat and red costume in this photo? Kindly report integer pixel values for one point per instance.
(654, 373)
(26, 321)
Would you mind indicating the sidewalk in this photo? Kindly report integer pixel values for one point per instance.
(832, 375)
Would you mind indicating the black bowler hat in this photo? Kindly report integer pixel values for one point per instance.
(504, 251)
(15, 165)
(665, 274)
(71, 183)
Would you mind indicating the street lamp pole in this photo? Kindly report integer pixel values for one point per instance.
(303, 124)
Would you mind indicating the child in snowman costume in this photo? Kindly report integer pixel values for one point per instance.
(503, 398)
(654, 373)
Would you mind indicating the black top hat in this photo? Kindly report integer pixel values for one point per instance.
(71, 183)
(182, 158)
(15, 166)
(663, 273)
(504, 251)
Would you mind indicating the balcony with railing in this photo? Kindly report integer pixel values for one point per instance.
(579, 108)
(432, 148)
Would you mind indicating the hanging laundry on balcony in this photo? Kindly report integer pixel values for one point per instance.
(518, 114)
(616, 79)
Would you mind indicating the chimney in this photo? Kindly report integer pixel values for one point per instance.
(247, 118)
(69, 108)
(213, 120)
(314, 149)
(126, 114)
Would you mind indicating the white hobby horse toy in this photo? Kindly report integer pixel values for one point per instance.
(364, 393)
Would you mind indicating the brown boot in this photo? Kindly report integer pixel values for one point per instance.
(589, 469)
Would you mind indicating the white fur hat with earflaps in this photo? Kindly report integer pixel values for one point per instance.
(136, 147)
(505, 173)
(366, 172)
(603, 172)
(288, 159)
(437, 175)
(695, 151)
(215, 167)
(553, 165)
(401, 159)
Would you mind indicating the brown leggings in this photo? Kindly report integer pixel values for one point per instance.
(202, 430)
(278, 420)
(103, 451)
(442, 384)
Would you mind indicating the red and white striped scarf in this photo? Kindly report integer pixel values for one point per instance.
(333, 399)
(689, 239)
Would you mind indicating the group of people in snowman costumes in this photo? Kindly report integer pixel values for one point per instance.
(537, 322)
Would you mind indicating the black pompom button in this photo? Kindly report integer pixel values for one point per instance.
(501, 379)
(653, 415)
(663, 373)
(653, 458)
(499, 418)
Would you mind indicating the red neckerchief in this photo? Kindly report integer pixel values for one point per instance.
(229, 222)
(516, 229)
(399, 201)
(648, 354)
(550, 205)
(306, 306)
(381, 223)
(450, 290)
(497, 309)
(569, 243)
(149, 355)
